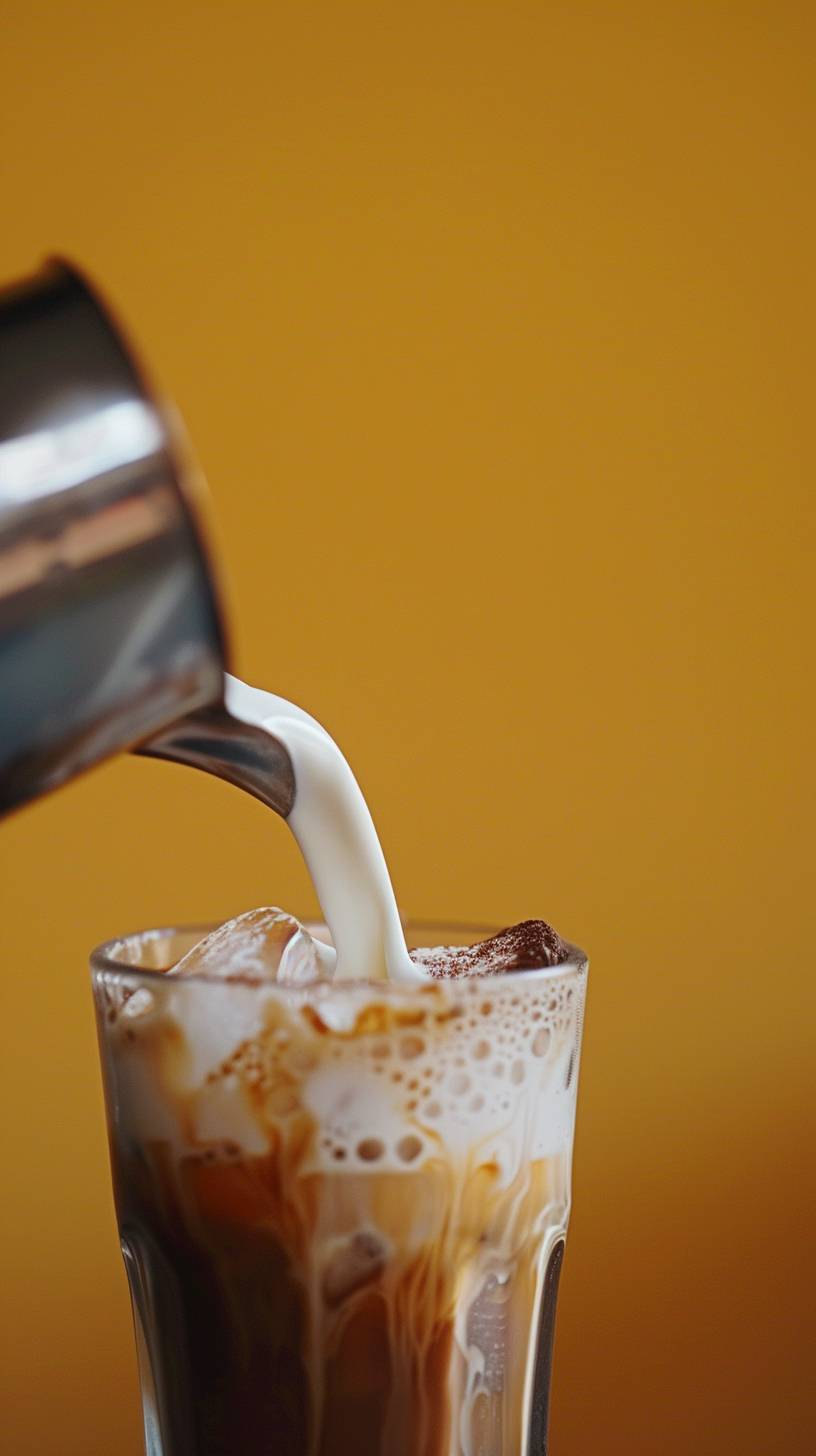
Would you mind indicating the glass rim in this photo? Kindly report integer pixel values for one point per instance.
(106, 957)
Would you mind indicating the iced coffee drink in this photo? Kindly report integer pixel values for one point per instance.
(342, 1210)
(342, 1167)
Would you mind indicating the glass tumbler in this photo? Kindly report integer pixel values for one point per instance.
(342, 1206)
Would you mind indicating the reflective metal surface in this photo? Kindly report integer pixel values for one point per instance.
(249, 757)
(109, 629)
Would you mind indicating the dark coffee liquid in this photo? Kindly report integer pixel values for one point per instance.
(223, 1322)
(222, 1328)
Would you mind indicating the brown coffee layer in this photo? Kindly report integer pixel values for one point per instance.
(385, 1314)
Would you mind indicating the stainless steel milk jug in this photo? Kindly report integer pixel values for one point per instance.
(109, 626)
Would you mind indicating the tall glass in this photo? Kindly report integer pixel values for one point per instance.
(342, 1207)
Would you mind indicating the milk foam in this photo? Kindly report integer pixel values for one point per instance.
(478, 1069)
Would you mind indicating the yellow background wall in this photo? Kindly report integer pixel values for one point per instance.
(493, 328)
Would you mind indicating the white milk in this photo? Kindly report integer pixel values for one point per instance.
(332, 824)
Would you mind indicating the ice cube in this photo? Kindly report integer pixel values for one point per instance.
(353, 1263)
(265, 944)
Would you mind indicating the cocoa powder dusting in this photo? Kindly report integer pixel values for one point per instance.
(531, 945)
